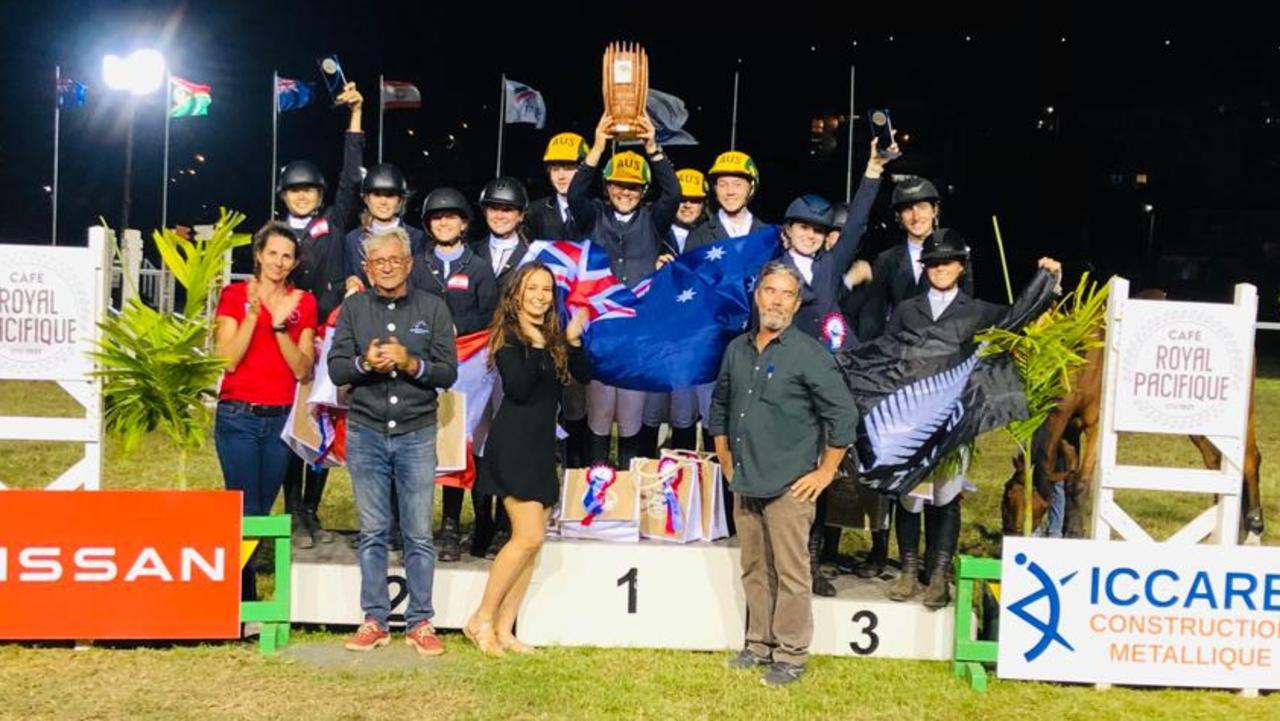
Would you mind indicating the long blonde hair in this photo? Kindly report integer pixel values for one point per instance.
(506, 319)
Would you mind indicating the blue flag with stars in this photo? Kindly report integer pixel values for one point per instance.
(685, 315)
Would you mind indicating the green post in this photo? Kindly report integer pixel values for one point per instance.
(273, 615)
(968, 654)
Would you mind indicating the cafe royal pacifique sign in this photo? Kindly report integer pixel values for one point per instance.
(1184, 368)
(46, 312)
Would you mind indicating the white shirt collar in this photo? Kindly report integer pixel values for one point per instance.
(377, 226)
(940, 300)
(735, 227)
(680, 234)
(915, 249)
(299, 222)
(804, 264)
(503, 243)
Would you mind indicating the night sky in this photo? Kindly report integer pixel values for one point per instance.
(1194, 115)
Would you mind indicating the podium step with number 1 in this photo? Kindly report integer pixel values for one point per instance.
(642, 595)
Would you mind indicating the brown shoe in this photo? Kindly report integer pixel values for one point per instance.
(908, 583)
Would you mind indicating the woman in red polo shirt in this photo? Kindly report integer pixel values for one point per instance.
(265, 330)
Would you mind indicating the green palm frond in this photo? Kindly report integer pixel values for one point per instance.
(1049, 350)
(198, 264)
(1046, 353)
(156, 371)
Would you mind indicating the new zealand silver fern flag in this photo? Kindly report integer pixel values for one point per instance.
(924, 390)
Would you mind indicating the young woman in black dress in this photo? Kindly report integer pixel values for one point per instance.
(535, 360)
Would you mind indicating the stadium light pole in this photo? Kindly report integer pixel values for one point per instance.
(141, 73)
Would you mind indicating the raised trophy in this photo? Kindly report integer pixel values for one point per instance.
(626, 87)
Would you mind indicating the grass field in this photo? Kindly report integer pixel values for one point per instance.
(231, 681)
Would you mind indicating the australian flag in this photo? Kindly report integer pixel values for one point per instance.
(70, 93)
(671, 331)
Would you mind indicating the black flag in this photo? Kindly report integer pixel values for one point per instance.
(922, 392)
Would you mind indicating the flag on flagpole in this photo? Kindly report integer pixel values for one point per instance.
(71, 93)
(400, 95)
(292, 94)
(669, 115)
(525, 105)
(188, 99)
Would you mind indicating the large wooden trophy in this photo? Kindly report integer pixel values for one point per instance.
(626, 87)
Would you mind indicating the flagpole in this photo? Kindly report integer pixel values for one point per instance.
(848, 182)
(275, 134)
(381, 107)
(57, 128)
(502, 120)
(733, 130)
(164, 191)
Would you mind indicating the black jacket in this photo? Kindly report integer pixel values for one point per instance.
(713, 230)
(893, 281)
(320, 260)
(634, 245)
(394, 403)
(967, 314)
(469, 289)
(483, 251)
(543, 221)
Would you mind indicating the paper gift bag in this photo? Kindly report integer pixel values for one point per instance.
(670, 499)
(714, 523)
(316, 426)
(599, 503)
(451, 432)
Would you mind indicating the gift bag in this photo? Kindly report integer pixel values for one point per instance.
(852, 505)
(465, 478)
(599, 503)
(670, 499)
(451, 433)
(316, 428)
(714, 523)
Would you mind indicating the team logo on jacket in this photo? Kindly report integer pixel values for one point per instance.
(459, 282)
(420, 328)
(320, 228)
(835, 330)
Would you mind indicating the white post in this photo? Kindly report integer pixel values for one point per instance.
(848, 182)
(1103, 498)
(733, 128)
(382, 106)
(502, 121)
(164, 189)
(130, 266)
(57, 130)
(275, 134)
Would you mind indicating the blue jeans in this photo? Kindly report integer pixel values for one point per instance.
(254, 461)
(1057, 508)
(376, 460)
